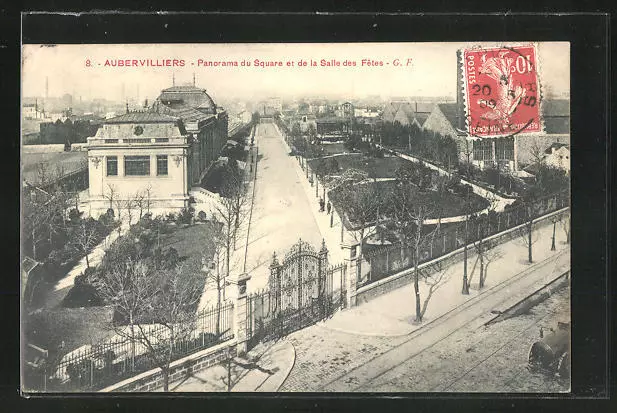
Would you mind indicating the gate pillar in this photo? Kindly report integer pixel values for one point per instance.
(240, 312)
(351, 280)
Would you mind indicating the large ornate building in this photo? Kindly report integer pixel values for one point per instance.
(159, 153)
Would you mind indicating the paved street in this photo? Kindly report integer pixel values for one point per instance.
(281, 212)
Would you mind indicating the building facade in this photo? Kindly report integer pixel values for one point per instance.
(157, 154)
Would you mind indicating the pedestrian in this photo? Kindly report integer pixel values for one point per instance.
(329, 207)
(321, 204)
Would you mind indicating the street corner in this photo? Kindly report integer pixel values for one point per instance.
(268, 365)
(364, 322)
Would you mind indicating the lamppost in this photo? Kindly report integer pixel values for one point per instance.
(553, 239)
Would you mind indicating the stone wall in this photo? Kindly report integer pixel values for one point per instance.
(153, 379)
(370, 291)
(43, 148)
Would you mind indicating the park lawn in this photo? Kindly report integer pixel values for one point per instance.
(334, 148)
(62, 330)
(451, 204)
(385, 167)
(192, 242)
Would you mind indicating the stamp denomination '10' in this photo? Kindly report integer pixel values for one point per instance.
(502, 91)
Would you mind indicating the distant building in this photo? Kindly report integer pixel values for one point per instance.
(505, 152)
(345, 110)
(333, 127)
(273, 106)
(167, 149)
(407, 113)
(558, 156)
(366, 113)
(32, 111)
(306, 120)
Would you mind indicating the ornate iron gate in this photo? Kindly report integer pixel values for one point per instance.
(302, 290)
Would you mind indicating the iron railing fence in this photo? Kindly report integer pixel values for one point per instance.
(93, 367)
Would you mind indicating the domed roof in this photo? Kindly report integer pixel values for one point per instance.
(187, 96)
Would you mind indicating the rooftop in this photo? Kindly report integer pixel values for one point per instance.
(556, 145)
(187, 96)
(143, 117)
(450, 111)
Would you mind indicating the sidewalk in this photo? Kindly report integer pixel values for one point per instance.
(393, 313)
(331, 235)
(263, 369)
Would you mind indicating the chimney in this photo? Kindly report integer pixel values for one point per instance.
(127, 107)
(173, 79)
(193, 79)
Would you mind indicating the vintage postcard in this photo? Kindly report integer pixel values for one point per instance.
(340, 217)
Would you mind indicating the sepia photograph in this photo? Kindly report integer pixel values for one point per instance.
(371, 217)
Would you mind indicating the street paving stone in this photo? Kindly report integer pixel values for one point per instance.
(322, 355)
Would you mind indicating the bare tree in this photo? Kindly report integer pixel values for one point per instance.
(468, 214)
(129, 207)
(468, 152)
(174, 309)
(529, 207)
(111, 195)
(216, 274)
(528, 238)
(168, 297)
(119, 207)
(140, 202)
(85, 237)
(128, 285)
(565, 226)
(490, 253)
(44, 214)
(439, 275)
(37, 215)
(536, 151)
(362, 201)
(42, 173)
(483, 230)
(409, 220)
(231, 210)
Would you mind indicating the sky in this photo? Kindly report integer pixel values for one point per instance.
(426, 69)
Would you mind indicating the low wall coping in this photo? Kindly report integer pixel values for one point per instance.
(203, 353)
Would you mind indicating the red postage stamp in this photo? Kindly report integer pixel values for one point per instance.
(502, 91)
